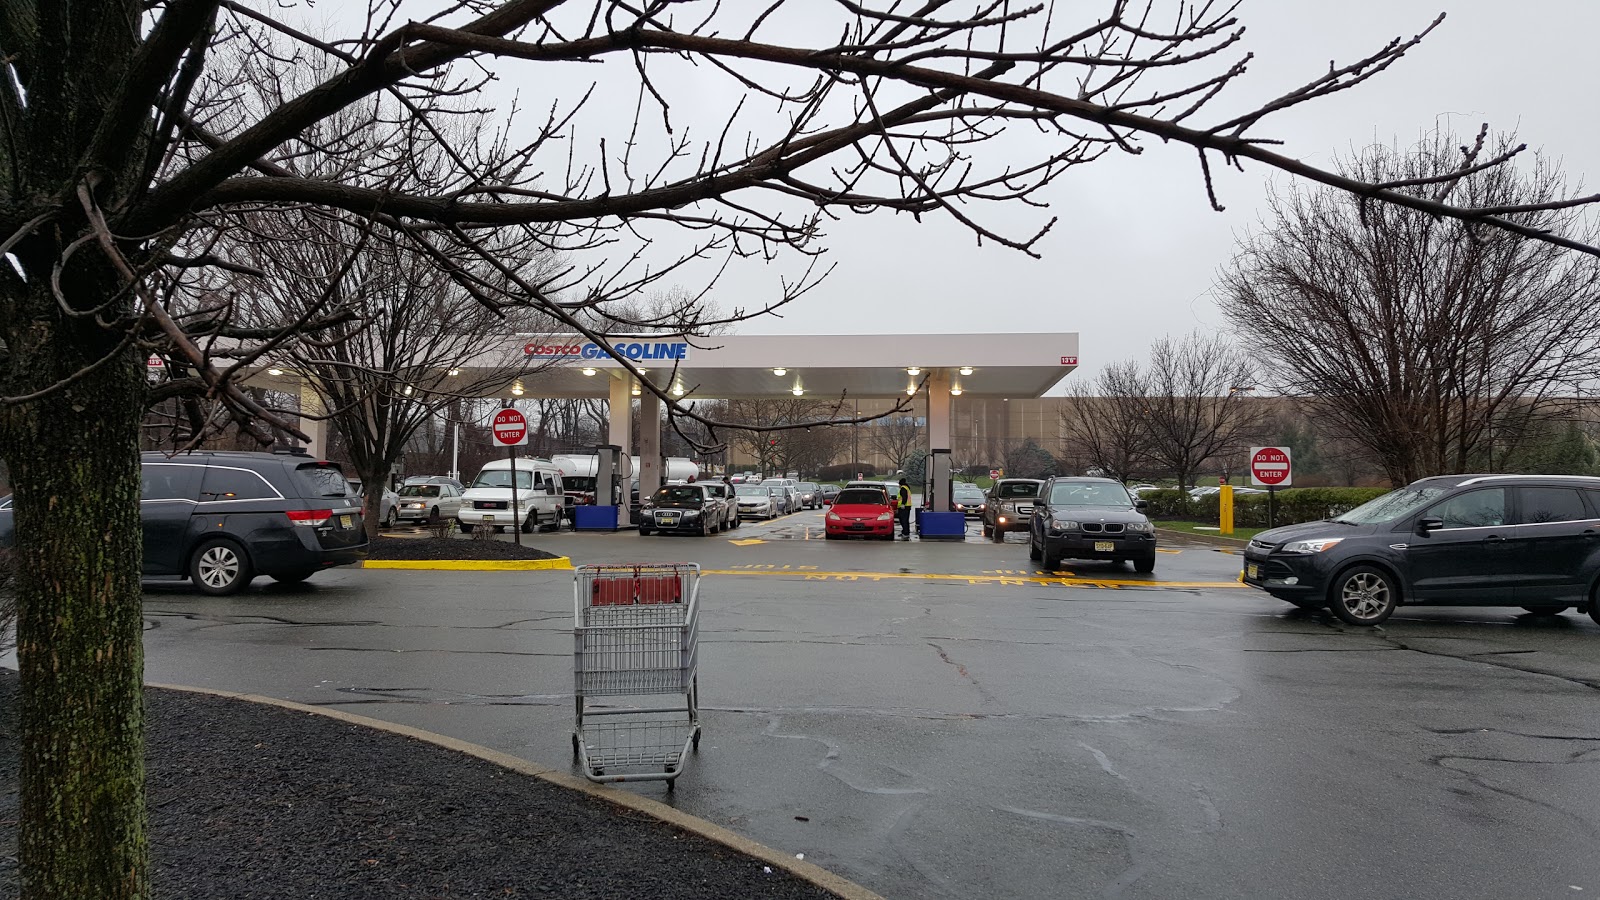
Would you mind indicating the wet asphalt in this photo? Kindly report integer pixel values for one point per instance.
(943, 720)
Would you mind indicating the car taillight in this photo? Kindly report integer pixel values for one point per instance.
(311, 517)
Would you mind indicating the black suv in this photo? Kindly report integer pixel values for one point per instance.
(222, 517)
(1090, 518)
(1458, 540)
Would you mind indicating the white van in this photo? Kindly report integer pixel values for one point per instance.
(487, 501)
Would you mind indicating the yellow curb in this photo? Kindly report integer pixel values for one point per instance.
(478, 565)
(799, 868)
(1063, 580)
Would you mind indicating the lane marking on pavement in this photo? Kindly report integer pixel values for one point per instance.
(1017, 579)
(477, 565)
(747, 542)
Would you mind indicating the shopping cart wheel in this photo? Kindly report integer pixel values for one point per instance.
(697, 742)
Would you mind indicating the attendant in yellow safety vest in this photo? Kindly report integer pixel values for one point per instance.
(903, 510)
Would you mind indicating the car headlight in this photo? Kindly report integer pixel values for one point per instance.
(690, 512)
(1063, 525)
(1314, 545)
(1009, 507)
(885, 517)
(1138, 526)
(833, 517)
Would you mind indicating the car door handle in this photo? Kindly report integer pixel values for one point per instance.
(1494, 538)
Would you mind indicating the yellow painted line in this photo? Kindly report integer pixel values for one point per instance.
(472, 565)
(1068, 580)
(747, 542)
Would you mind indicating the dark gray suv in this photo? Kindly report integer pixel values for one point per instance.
(221, 518)
(1460, 540)
(1090, 518)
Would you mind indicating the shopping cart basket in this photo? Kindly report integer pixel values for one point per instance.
(635, 634)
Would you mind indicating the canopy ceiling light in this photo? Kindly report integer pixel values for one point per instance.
(636, 391)
(274, 371)
(798, 391)
(407, 391)
(589, 371)
(455, 371)
(965, 370)
(911, 390)
(779, 371)
(677, 391)
(516, 388)
(955, 392)
(913, 371)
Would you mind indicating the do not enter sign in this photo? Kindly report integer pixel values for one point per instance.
(510, 428)
(1270, 467)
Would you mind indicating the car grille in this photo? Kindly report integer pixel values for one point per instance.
(1261, 546)
(1275, 569)
(1107, 528)
(1024, 509)
(490, 504)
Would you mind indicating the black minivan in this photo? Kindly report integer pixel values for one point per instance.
(1458, 540)
(223, 517)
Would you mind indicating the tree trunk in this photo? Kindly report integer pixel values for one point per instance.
(80, 548)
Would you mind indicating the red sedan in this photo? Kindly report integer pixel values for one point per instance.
(861, 512)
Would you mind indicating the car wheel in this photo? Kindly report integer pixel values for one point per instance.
(643, 531)
(531, 524)
(1594, 604)
(389, 520)
(1145, 566)
(1052, 561)
(462, 526)
(1033, 549)
(219, 567)
(1547, 610)
(829, 536)
(292, 577)
(985, 529)
(1363, 595)
(736, 521)
(705, 527)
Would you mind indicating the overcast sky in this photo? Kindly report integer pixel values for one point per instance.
(1137, 248)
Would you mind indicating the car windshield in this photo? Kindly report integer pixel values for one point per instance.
(420, 490)
(1010, 490)
(678, 493)
(861, 497)
(501, 478)
(751, 490)
(1089, 494)
(1393, 505)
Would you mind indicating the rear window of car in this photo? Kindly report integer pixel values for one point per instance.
(1549, 504)
(322, 479)
(224, 483)
(1014, 489)
(861, 496)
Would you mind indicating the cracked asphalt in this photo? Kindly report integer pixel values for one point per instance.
(943, 720)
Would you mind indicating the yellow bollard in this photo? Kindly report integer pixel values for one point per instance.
(1225, 506)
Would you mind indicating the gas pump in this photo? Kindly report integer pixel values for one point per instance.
(938, 520)
(610, 476)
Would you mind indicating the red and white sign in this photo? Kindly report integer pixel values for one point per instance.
(510, 428)
(1270, 467)
(994, 473)
(1069, 360)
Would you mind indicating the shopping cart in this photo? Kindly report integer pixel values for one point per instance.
(635, 634)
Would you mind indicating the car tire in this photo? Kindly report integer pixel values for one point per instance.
(829, 536)
(462, 526)
(1145, 565)
(219, 567)
(1363, 595)
(705, 527)
(1033, 549)
(292, 577)
(984, 528)
(1052, 561)
(643, 531)
(1553, 610)
(1594, 604)
(531, 524)
(389, 520)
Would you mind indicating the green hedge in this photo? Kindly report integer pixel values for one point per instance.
(1250, 510)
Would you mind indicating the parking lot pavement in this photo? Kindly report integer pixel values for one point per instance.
(942, 720)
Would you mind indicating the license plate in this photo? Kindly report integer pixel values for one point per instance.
(1252, 571)
(347, 521)
(488, 518)
(1105, 547)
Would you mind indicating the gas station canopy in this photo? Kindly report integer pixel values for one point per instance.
(819, 366)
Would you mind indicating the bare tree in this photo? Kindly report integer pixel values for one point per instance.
(776, 447)
(1105, 424)
(1430, 344)
(895, 438)
(134, 141)
(1193, 396)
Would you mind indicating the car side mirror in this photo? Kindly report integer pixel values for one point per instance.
(1141, 504)
(1430, 523)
